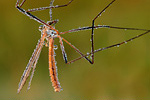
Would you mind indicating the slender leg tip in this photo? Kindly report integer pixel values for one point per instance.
(18, 91)
(58, 89)
(66, 61)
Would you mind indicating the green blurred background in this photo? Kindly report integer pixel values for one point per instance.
(118, 74)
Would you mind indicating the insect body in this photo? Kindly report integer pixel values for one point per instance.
(48, 34)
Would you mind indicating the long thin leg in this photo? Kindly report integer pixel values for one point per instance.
(22, 3)
(17, 3)
(77, 50)
(35, 18)
(87, 28)
(53, 67)
(32, 16)
(50, 7)
(101, 26)
(50, 10)
(32, 61)
(63, 49)
(92, 35)
(115, 45)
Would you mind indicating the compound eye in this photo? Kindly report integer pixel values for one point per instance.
(50, 22)
(40, 27)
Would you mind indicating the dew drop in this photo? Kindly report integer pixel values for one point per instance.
(88, 53)
(55, 47)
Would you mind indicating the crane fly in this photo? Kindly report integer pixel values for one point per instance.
(49, 33)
